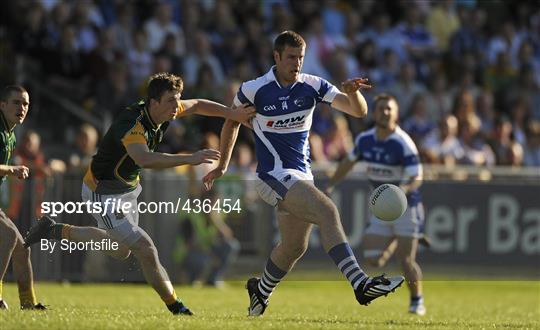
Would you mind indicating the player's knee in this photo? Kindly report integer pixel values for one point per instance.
(142, 243)
(145, 249)
(121, 254)
(147, 255)
(20, 253)
(333, 212)
(9, 237)
(328, 212)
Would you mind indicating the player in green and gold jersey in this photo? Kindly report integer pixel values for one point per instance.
(14, 102)
(127, 147)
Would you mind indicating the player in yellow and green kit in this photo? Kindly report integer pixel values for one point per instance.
(127, 147)
(14, 102)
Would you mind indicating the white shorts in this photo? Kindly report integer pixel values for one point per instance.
(410, 224)
(123, 227)
(274, 185)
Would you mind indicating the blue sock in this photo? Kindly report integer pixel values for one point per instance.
(271, 277)
(346, 262)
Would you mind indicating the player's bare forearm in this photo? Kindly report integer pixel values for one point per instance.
(242, 113)
(412, 184)
(158, 160)
(19, 171)
(352, 103)
(148, 159)
(6, 170)
(229, 134)
(205, 108)
(341, 172)
(358, 103)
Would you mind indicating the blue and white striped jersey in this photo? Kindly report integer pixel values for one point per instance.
(284, 117)
(393, 160)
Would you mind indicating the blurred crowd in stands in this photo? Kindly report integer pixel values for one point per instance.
(466, 73)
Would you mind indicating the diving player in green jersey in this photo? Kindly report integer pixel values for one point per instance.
(127, 147)
(14, 102)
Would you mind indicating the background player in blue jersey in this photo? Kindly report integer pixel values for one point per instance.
(391, 157)
(284, 100)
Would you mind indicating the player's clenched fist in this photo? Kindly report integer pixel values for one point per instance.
(20, 171)
(205, 156)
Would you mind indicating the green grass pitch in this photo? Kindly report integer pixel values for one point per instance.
(294, 305)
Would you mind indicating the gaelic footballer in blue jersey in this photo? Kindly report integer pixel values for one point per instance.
(284, 99)
(391, 157)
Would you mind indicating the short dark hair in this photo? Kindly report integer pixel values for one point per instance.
(6, 92)
(288, 38)
(384, 97)
(162, 82)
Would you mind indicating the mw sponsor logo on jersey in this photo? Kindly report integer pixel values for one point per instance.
(287, 123)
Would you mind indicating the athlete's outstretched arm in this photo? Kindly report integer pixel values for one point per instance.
(242, 113)
(19, 171)
(145, 158)
(229, 133)
(350, 100)
(344, 167)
